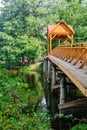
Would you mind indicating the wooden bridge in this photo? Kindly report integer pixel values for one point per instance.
(66, 61)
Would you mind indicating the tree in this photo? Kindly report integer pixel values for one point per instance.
(23, 20)
(73, 13)
(23, 23)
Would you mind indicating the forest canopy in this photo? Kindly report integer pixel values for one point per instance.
(23, 25)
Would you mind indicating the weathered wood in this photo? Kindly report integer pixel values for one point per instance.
(62, 89)
(53, 82)
(77, 76)
(44, 66)
(50, 43)
(56, 87)
(49, 69)
(73, 103)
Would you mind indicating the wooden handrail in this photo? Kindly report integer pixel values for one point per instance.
(76, 53)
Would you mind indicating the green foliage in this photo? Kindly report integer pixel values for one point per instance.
(66, 117)
(18, 104)
(74, 13)
(21, 33)
(23, 26)
(80, 127)
(21, 51)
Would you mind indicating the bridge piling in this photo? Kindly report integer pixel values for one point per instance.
(45, 68)
(53, 82)
(62, 90)
(47, 81)
(49, 69)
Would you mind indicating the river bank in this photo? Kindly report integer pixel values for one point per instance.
(20, 93)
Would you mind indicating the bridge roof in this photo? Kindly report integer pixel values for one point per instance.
(60, 31)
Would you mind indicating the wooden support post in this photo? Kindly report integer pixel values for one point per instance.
(72, 40)
(48, 46)
(45, 68)
(62, 89)
(53, 77)
(50, 43)
(49, 69)
(49, 97)
(47, 88)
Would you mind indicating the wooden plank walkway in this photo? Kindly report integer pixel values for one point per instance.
(76, 75)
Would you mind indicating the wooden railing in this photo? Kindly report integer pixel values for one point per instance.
(77, 53)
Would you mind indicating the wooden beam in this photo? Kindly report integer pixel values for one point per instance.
(69, 37)
(62, 89)
(56, 86)
(83, 63)
(50, 43)
(72, 40)
(73, 103)
(49, 71)
(84, 51)
(48, 46)
(71, 77)
(53, 36)
(53, 77)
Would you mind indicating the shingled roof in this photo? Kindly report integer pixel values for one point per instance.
(60, 31)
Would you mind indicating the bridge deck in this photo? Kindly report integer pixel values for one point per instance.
(77, 75)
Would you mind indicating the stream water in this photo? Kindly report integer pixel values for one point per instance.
(43, 102)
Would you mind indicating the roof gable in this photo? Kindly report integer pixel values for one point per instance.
(61, 30)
